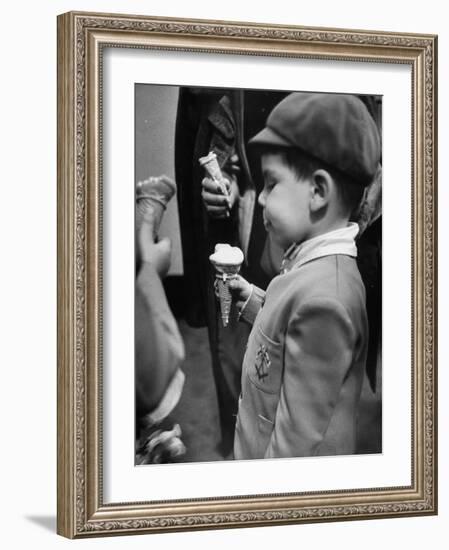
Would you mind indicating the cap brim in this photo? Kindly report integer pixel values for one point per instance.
(268, 137)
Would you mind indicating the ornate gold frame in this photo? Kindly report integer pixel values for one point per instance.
(81, 37)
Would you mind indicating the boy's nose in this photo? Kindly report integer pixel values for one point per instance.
(261, 199)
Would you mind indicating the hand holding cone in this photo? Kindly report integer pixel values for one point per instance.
(227, 261)
(212, 168)
(153, 194)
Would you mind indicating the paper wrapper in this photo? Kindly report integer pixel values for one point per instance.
(225, 274)
(153, 193)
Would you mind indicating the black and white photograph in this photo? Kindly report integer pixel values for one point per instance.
(258, 274)
(247, 284)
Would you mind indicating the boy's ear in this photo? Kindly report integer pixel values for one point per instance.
(321, 189)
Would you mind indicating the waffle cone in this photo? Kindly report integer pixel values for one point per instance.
(153, 194)
(210, 164)
(225, 297)
(212, 168)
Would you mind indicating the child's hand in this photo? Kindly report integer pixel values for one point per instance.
(217, 204)
(155, 253)
(241, 290)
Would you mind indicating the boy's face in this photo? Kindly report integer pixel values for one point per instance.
(285, 200)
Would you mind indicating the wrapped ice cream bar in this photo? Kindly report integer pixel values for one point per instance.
(227, 260)
(210, 164)
(153, 193)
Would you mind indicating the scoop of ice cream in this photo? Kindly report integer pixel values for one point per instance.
(226, 254)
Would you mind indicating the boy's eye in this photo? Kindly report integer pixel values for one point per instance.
(269, 186)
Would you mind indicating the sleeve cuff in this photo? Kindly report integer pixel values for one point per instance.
(169, 400)
(253, 305)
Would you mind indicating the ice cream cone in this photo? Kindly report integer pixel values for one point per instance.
(153, 193)
(224, 295)
(210, 164)
(227, 261)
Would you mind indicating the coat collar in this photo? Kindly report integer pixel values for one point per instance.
(340, 241)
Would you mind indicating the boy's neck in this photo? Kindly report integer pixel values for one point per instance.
(324, 227)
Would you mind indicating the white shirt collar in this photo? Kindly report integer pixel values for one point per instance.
(339, 241)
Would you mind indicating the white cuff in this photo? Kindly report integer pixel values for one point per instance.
(169, 400)
(242, 309)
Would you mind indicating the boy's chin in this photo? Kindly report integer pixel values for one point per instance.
(278, 240)
(282, 243)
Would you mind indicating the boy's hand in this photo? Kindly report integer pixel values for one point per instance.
(155, 253)
(241, 290)
(217, 204)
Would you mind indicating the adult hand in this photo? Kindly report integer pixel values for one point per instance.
(152, 252)
(219, 205)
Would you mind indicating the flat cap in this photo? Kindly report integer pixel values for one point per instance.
(335, 128)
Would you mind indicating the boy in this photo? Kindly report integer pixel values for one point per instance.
(304, 365)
